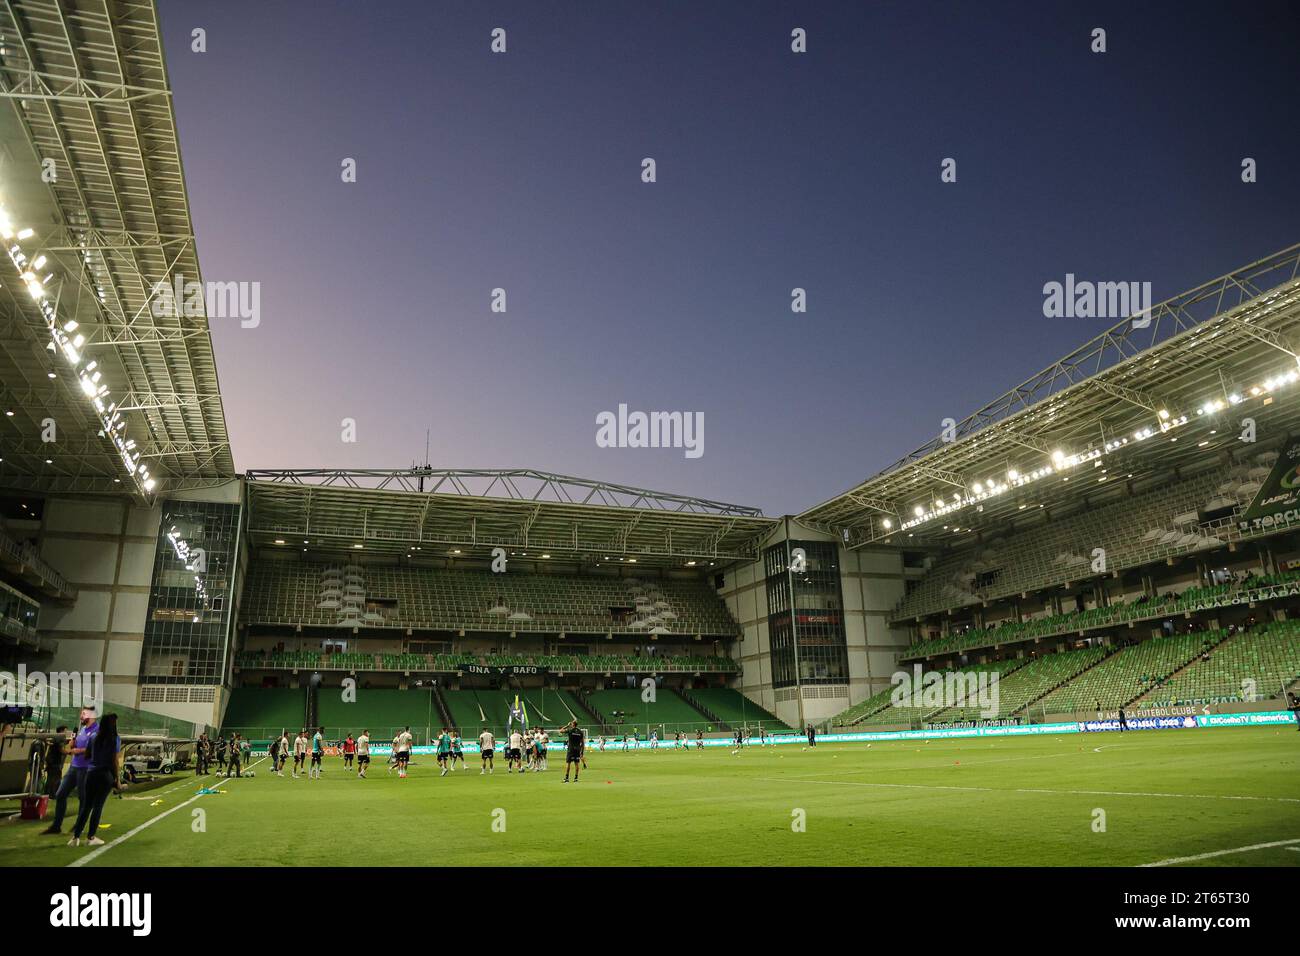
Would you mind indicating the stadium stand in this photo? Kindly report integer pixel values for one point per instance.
(860, 711)
(1145, 527)
(560, 663)
(1268, 656)
(625, 712)
(1251, 588)
(575, 707)
(284, 592)
(735, 709)
(926, 714)
(380, 710)
(1130, 672)
(1019, 688)
(1202, 667)
(266, 710)
(468, 713)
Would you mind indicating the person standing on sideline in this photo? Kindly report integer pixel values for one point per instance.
(55, 755)
(103, 776)
(236, 755)
(75, 778)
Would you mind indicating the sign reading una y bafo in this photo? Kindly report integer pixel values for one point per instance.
(513, 670)
(1278, 499)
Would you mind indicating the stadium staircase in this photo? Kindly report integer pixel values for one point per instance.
(864, 709)
(585, 706)
(1214, 640)
(1268, 654)
(1129, 673)
(583, 696)
(1079, 672)
(699, 706)
(444, 712)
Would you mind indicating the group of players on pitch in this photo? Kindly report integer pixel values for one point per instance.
(524, 746)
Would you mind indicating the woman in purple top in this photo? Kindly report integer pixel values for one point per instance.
(104, 755)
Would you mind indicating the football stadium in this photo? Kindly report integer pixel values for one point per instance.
(1063, 632)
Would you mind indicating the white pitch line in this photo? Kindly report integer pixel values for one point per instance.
(1209, 856)
(1088, 793)
(99, 850)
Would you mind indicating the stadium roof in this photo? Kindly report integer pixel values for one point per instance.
(467, 513)
(89, 161)
(1143, 399)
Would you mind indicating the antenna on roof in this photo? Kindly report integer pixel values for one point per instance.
(426, 467)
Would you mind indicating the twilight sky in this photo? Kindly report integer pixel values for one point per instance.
(775, 170)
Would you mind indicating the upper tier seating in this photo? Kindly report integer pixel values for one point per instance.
(1251, 587)
(1133, 530)
(290, 592)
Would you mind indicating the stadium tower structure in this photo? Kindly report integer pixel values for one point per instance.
(131, 547)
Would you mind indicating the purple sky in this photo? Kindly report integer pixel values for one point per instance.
(775, 170)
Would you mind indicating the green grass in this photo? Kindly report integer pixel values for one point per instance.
(989, 802)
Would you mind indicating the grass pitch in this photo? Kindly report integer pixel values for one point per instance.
(1164, 795)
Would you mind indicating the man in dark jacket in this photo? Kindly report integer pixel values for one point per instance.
(56, 751)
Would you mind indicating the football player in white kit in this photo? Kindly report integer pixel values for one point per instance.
(514, 752)
(363, 754)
